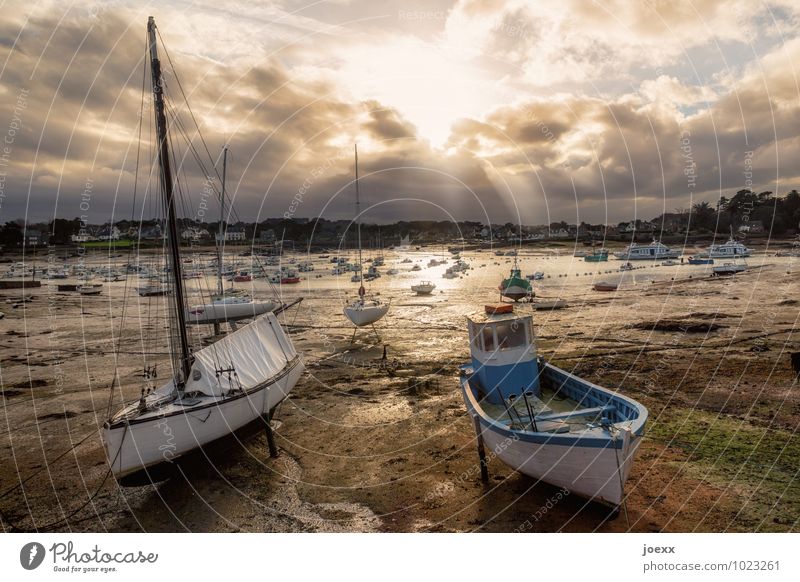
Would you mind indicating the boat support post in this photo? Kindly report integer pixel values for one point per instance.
(273, 448)
(481, 450)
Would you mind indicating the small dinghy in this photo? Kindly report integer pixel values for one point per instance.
(700, 261)
(423, 288)
(728, 269)
(543, 421)
(90, 289)
(604, 286)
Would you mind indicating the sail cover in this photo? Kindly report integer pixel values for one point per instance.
(257, 351)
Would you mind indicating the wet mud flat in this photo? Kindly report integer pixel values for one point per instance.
(374, 440)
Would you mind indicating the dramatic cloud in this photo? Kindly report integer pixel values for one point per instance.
(480, 109)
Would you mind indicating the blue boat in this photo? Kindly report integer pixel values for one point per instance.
(700, 261)
(543, 421)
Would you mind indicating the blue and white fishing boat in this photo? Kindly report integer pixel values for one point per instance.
(543, 421)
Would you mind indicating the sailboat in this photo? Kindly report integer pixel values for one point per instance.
(365, 310)
(226, 306)
(214, 391)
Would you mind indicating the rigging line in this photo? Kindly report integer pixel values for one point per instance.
(208, 153)
(181, 188)
(183, 94)
(115, 377)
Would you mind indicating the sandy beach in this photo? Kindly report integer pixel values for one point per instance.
(375, 436)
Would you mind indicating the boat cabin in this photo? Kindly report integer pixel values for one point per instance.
(503, 350)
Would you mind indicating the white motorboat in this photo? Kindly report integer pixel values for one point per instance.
(654, 251)
(728, 268)
(214, 391)
(731, 249)
(89, 289)
(423, 288)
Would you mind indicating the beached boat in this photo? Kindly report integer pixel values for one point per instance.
(543, 421)
(537, 276)
(90, 289)
(596, 256)
(729, 250)
(699, 261)
(214, 391)
(626, 267)
(604, 286)
(365, 310)
(498, 309)
(669, 263)
(423, 288)
(516, 287)
(153, 290)
(651, 252)
(232, 305)
(728, 268)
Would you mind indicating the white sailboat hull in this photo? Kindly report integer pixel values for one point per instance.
(222, 312)
(361, 315)
(214, 402)
(131, 447)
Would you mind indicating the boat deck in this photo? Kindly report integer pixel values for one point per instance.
(552, 413)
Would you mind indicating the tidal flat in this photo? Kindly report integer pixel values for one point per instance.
(375, 436)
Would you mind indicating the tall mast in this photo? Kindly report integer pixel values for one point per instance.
(169, 203)
(221, 214)
(358, 227)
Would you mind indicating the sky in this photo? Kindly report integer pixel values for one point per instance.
(488, 110)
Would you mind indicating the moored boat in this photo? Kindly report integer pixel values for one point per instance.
(731, 249)
(515, 287)
(543, 421)
(728, 268)
(367, 309)
(213, 391)
(604, 286)
(596, 256)
(651, 252)
(423, 288)
(498, 309)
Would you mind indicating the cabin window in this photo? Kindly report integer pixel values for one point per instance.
(511, 335)
(488, 339)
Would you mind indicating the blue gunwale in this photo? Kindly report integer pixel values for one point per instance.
(583, 392)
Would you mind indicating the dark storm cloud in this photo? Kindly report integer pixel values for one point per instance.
(576, 155)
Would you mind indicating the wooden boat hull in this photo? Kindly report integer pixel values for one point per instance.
(604, 287)
(134, 446)
(595, 468)
(498, 309)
